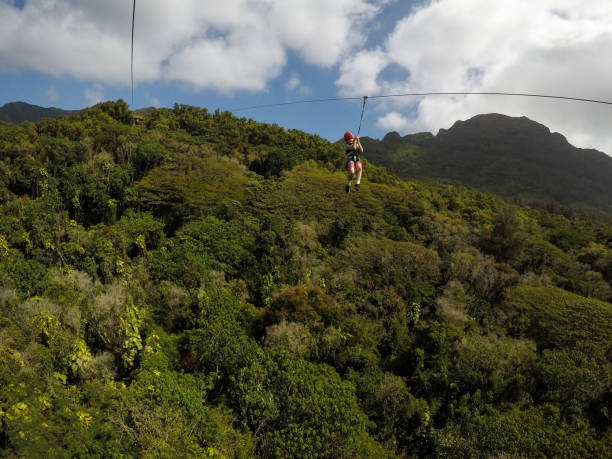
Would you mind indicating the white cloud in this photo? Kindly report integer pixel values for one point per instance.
(394, 121)
(228, 63)
(226, 45)
(52, 95)
(556, 47)
(294, 84)
(94, 95)
(54, 38)
(358, 73)
(322, 31)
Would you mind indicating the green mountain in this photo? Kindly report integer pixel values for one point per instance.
(514, 157)
(191, 284)
(18, 112)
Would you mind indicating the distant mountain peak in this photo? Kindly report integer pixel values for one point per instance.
(392, 136)
(513, 156)
(18, 112)
(498, 123)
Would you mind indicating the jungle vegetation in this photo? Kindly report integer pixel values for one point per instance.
(193, 284)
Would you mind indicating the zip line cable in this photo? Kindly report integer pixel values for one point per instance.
(516, 94)
(331, 99)
(423, 94)
(132, 56)
(365, 98)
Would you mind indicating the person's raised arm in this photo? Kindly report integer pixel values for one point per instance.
(358, 146)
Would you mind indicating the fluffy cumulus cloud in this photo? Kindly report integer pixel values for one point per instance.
(224, 45)
(394, 121)
(556, 47)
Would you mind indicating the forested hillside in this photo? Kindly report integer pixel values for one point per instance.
(17, 112)
(186, 283)
(514, 157)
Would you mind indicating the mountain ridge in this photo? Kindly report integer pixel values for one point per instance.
(515, 157)
(18, 112)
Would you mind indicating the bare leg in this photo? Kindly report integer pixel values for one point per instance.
(350, 172)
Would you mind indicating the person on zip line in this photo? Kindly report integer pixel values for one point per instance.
(353, 149)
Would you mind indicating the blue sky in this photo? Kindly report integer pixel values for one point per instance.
(229, 54)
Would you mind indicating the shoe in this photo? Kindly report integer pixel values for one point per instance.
(347, 188)
(356, 186)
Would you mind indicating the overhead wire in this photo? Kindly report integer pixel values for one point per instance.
(516, 94)
(278, 104)
(425, 94)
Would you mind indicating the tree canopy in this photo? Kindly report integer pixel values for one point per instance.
(187, 283)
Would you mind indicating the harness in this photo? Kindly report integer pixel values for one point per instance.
(352, 156)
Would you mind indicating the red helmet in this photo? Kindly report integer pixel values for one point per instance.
(348, 135)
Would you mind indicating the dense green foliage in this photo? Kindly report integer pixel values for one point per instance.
(188, 283)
